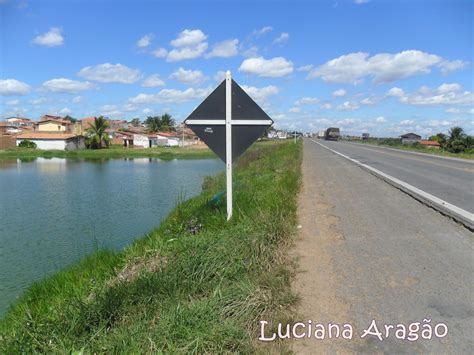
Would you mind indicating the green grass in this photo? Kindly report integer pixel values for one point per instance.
(174, 291)
(165, 153)
(418, 148)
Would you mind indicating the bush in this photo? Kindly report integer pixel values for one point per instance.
(25, 143)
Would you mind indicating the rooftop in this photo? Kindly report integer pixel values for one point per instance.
(46, 135)
(430, 143)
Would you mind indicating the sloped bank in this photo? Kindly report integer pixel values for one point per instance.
(194, 284)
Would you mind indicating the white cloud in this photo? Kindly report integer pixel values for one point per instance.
(184, 53)
(305, 68)
(263, 30)
(250, 52)
(170, 96)
(445, 88)
(326, 106)
(445, 94)
(160, 53)
(52, 38)
(153, 81)
(110, 73)
(440, 123)
(65, 111)
(275, 67)
(10, 87)
(360, 2)
(452, 66)
(307, 101)
(66, 85)
(188, 45)
(219, 76)
(130, 107)
(396, 92)
(224, 49)
(188, 38)
(384, 67)
(368, 101)
(77, 99)
(282, 38)
(340, 92)
(147, 111)
(295, 109)
(38, 101)
(407, 122)
(323, 121)
(13, 102)
(348, 106)
(453, 110)
(191, 77)
(110, 111)
(380, 119)
(347, 122)
(465, 98)
(261, 95)
(145, 41)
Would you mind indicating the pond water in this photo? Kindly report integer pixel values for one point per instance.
(55, 211)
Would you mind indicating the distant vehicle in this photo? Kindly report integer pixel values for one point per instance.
(365, 136)
(321, 134)
(332, 134)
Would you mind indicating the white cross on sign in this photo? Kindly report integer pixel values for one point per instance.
(213, 122)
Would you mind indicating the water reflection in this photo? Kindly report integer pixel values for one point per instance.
(56, 210)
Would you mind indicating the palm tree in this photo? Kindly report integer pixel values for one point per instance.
(135, 122)
(456, 140)
(167, 123)
(96, 135)
(153, 123)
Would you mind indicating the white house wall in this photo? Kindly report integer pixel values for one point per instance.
(141, 141)
(57, 144)
(44, 144)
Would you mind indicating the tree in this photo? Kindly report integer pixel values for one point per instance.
(457, 140)
(167, 123)
(469, 142)
(440, 138)
(135, 122)
(69, 118)
(96, 134)
(153, 123)
(25, 143)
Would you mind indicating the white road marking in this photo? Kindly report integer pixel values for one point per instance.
(459, 214)
(465, 161)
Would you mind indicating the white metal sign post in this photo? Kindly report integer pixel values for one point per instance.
(228, 111)
(228, 140)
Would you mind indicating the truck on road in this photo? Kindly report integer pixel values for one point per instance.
(332, 134)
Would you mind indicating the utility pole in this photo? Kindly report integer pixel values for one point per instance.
(182, 140)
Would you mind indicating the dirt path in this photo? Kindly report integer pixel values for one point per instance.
(317, 281)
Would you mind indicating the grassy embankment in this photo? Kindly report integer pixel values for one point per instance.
(416, 148)
(164, 153)
(174, 291)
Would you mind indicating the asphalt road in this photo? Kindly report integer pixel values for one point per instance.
(450, 180)
(370, 252)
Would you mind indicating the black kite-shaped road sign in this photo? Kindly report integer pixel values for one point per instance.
(248, 121)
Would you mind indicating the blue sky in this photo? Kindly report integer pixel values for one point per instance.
(378, 66)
